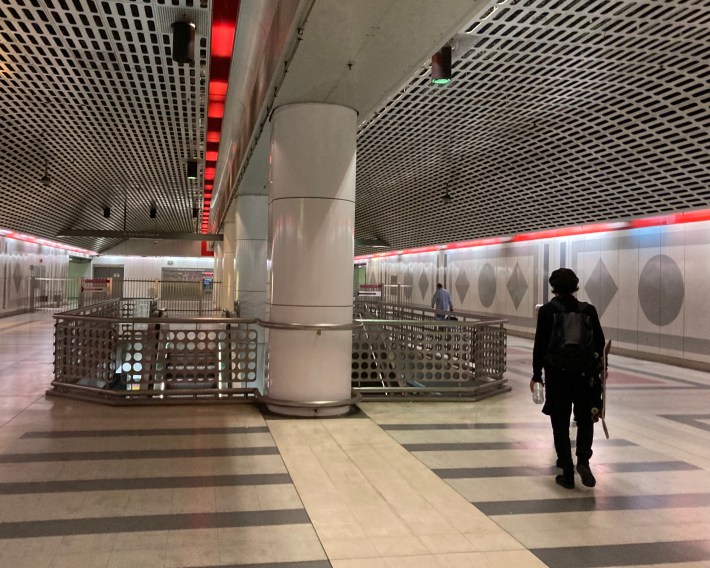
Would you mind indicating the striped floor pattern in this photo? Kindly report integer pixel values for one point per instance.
(651, 506)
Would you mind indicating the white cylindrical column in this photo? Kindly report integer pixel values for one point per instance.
(218, 272)
(228, 269)
(252, 230)
(312, 208)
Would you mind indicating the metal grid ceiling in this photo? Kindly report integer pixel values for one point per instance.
(89, 89)
(561, 112)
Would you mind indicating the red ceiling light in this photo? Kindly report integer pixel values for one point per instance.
(224, 25)
(218, 90)
(222, 38)
(215, 110)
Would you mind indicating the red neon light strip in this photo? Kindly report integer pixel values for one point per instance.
(671, 219)
(43, 242)
(224, 27)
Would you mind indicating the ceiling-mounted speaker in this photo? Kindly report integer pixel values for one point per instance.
(191, 169)
(107, 212)
(195, 212)
(183, 42)
(153, 212)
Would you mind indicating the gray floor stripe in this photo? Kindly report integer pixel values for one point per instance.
(138, 454)
(77, 485)
(145, 432)
(694, 420)
(470, 446)
(625, 554)
(466, 426)
(526, 471)
(144, 523)
(596, 503)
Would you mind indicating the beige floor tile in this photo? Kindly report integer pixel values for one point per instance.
(28, 561)
(86, 543)
(153, 540)
(195, 555)
(398, 546)
(137, 559)
(245, 552)
(200, 538)
(360, 563)
(81, 560)
(278, 497)
(517, 559)
(344, 548)
(297, 550)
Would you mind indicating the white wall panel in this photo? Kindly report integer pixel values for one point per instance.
(609, 266)
(697, 284)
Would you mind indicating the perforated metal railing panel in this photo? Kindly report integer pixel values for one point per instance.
(560, 112)
(88, 90)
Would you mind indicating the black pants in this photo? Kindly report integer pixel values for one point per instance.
(563, 393)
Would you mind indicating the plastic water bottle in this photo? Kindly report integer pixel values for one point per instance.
(538, 393)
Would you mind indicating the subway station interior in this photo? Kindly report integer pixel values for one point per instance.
(222, 226)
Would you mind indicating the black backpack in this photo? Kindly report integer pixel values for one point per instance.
(571, 346)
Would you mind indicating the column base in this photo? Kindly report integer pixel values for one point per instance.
(320, 409)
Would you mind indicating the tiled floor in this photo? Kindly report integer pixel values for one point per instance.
(397, 485)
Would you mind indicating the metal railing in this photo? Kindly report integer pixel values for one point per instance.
(125, 351)
(404, 352)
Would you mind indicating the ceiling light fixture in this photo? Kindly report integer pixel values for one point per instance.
(191, 169)
(45, 180)
(441, 66)
(183, 42)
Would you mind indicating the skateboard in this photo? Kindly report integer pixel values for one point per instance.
(600, 413)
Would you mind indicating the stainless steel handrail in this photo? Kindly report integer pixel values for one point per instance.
(114, 319)
(437, 323)
(310, 326)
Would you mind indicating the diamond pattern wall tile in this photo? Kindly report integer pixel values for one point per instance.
(408, 282)
(462, 285)
(600, 287)
(517, 286)
(17, 276)
(487, 285)
(423, 284)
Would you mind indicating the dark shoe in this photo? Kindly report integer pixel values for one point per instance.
(566, 479)
(585, 473)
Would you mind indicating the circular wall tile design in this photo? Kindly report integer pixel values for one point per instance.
(487, 285)
(661, 290)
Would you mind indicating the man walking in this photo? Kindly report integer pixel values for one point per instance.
(568, 344)
(441, 302)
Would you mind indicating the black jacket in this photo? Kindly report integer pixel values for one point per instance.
(545, 319)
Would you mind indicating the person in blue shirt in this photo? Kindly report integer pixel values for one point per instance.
(441, 302)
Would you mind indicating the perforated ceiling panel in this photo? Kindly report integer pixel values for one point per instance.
(561, 112)
(88, 90)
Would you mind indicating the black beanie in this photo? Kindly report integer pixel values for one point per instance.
(564, 281)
